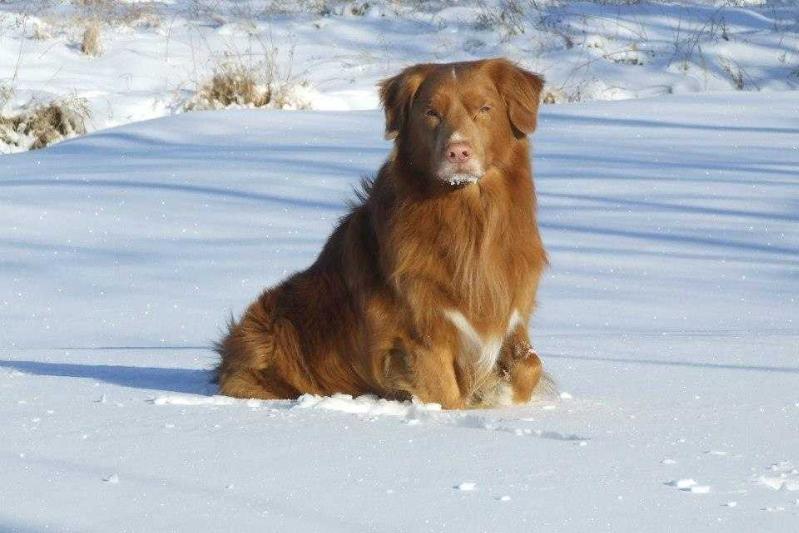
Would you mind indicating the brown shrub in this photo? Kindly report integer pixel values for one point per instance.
(43, 124)
(90, 44)
(233, 84)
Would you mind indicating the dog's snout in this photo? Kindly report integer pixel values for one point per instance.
(459, 152)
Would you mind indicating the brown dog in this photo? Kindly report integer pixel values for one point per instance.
(424, 289)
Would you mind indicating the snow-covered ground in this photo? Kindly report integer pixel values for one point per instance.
(330, 53)
(668, 318)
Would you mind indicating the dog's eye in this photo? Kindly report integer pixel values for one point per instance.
(432, 113)
(485, 109)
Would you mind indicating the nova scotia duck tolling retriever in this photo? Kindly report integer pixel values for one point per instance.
(426, 286)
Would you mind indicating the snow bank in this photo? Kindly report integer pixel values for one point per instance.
(328, 55)
(668, 313)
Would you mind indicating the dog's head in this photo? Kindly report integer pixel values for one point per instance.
(454, 121)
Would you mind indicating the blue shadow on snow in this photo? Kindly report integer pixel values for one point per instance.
(181, 380)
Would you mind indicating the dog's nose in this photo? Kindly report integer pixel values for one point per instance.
(459, 152)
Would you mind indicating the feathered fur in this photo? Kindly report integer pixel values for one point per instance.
(374, 313)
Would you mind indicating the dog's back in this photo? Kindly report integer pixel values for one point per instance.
(294, 338)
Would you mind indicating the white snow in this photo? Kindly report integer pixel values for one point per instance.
(683, 484)
(782, 476)
(689, 485)
(467, 486)
(329, 54)
(671, 224)
(365, 405)
(462, 179)
(183, 399)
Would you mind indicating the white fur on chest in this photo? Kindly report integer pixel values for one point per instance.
(482, 352)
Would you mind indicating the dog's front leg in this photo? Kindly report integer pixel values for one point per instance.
(520, 365)
(436, 379)
(426, 371)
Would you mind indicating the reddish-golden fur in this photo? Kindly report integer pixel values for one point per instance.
(424, 289)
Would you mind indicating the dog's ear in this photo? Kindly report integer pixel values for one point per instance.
(521, 91)
(396, 95)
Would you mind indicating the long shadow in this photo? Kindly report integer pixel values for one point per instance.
(94, 251)
(741, 166)
(547, 174)
(689, 364)
(181, 380)
(672, 207)
(157, 186)
(587, 119)
(673, 238)
(128, 142)
(12, 524)
(618, 251)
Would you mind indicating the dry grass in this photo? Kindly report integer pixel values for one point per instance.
(139, 14)
(553, 95)
(235, 84)
(43, 124)
(507, 17)
(735, 72)
(232, 85)
(40, 31)
(91, 43)
(6, 94)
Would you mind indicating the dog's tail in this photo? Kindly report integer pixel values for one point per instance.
(219, 346)
(248, 349)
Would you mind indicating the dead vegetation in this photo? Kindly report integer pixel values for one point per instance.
(6, 94)
(508, 17)
(235, 85)
(119, 13)
(41, 124)
(232, 85)
(40, 31)
(255, 78)
(91, 44)
(88, 19)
